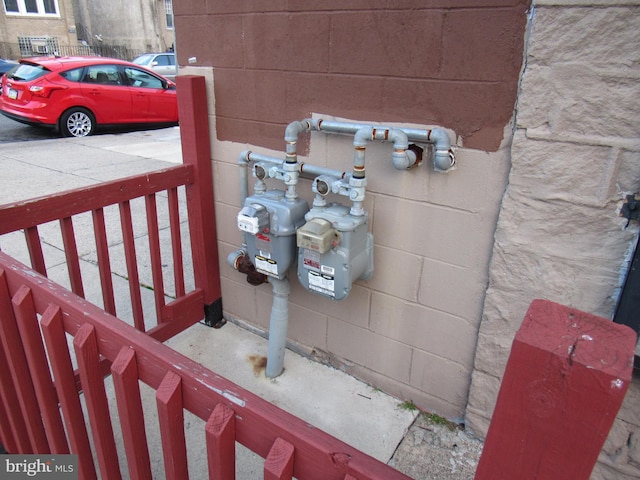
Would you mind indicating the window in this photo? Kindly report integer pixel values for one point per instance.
(138, 78)
(11, 6)
(73, 75)
(27, 72)
(163, 60)
(31, 7)
(168, 9)
(102, 74)
(31, 46)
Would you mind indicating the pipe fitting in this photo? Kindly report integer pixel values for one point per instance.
(291, 134)
(444, 160)
(243, 162)
(235, 259)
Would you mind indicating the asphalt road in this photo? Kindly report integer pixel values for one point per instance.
(12, 131)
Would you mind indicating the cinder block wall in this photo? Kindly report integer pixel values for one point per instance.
(575, 156)
(411, 330)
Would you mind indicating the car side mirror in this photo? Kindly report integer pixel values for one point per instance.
(154, 63)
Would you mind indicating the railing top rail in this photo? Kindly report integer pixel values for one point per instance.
(36, 211)
(259, 422)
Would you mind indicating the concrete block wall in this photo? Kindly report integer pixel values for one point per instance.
(411, 330)
(575, 156)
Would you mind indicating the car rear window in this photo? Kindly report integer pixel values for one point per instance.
(27, 72)
(73, 75)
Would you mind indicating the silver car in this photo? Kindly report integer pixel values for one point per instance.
(162, 63)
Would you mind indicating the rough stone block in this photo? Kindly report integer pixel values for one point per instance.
(562, 171)
(566, 35)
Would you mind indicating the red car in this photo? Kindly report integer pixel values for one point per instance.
(76, 95)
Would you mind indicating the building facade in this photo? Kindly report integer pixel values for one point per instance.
(72, 27)
(540, 100)
(36, 27)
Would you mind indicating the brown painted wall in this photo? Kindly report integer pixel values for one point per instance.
(449, 63)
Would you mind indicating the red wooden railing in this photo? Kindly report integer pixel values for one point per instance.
(41, 411)
(194, 176)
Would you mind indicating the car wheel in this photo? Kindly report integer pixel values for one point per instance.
(77, 122)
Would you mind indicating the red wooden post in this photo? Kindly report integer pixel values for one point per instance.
(86, 347)
(171, 419)
(221, 443)
(104, 264)
(56, 341)
(18, 441)
(279, 463)
(39, 368)
(564, 383)
(125, 381)
(17, 365)
(128, 240)
(71, 254)
(196, 151)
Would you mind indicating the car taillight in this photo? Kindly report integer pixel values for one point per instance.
(45, 91)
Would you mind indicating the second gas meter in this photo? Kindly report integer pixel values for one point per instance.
(335, 249)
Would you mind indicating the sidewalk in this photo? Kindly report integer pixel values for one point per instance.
(329, 399)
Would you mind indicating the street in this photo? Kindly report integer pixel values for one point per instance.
(12, 131)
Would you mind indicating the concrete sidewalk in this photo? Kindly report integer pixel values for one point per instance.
(358, 414)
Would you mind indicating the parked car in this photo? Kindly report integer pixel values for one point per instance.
(76, 95)
(6, 65)
(162, 63)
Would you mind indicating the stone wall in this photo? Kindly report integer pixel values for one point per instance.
(575, 155)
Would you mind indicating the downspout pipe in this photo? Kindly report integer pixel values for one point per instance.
(278, 324)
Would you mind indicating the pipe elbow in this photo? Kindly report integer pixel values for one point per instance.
(404, 159)
(440, 138)
(444, 160)
(294, 129)
(236, 258)
(362, 136)
(243, 158)
(399, 139)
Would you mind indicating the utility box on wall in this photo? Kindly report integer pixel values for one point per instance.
(269, 222)
(335, 249)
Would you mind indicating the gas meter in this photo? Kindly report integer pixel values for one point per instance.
(335, 249)
(269, 222)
